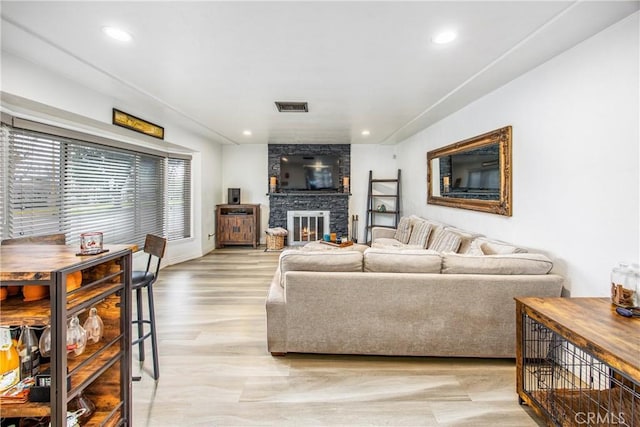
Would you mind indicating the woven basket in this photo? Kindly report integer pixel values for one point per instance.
(275, 242)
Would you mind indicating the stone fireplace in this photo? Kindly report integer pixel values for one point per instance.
(334, 204)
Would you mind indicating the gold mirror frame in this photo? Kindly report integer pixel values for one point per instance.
(502, 206)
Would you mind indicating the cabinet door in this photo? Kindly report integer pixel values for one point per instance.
(227, 227)
(245, 228)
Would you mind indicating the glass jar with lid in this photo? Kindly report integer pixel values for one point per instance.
(625, 283)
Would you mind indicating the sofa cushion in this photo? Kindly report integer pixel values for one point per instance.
(402, 261)
(495, 247)
(420, 233)
(403, 232)
(390, 243)
(336, 260)
(321, 247)
(446, 241)
(496, 264)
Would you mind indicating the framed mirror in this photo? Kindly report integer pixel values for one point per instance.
(473, 174)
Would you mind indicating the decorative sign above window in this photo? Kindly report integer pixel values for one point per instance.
(128, 121)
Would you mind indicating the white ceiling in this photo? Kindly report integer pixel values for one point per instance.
(219, 66)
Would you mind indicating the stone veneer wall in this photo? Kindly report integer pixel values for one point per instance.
(336, 203)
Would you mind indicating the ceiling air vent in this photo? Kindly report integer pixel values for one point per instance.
(292, 107)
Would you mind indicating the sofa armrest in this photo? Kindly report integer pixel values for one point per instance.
(276, 317)
(382, 232)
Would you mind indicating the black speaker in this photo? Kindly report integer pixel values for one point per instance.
(233, 196)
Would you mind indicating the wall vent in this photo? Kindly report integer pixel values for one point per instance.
(292, 107)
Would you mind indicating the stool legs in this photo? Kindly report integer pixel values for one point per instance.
(140, 323)
(151, 321)
(154, 339)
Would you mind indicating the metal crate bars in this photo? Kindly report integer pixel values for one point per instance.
(573, 386)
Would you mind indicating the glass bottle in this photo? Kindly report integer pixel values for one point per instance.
(29, 353)
(9, 361)
(94, 326)
(76, 337)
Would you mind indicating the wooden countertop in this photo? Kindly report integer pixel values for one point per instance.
(38, 262)
(594, 325)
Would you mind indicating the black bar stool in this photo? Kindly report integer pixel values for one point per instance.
(155, 247)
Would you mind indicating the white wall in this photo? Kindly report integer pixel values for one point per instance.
(245, 167)
(575, 158)
(381, 160)
(28, 80)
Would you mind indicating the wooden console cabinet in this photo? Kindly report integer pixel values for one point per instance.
(237, 225)
(103, 371)
(578, 361)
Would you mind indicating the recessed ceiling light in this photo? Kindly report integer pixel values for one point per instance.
(444, 37)
(117, 33)
(246, 132)
(365, 133)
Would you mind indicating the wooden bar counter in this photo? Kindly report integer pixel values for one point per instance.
(102, 373)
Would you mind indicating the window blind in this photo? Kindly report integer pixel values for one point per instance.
(4, 166)
(57, 184)
(34, 198)
(116, 192)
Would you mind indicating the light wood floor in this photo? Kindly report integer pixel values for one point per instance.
(215, 369)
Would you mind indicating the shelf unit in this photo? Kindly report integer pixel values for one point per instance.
(237, 225)
(389, 197)
(103, 371)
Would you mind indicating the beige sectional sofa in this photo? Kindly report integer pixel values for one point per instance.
(403, 297)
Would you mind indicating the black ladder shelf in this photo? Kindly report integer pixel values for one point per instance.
(389, 206)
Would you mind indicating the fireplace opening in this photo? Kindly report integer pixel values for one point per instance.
(306, 226)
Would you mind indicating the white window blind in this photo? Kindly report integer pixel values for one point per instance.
(34, 202)
(109, 190)
(179, 199)
(57, 184)
(4, 166)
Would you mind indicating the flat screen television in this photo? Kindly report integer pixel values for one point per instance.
(310, 173)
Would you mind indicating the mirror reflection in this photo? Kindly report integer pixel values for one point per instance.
(473, 174)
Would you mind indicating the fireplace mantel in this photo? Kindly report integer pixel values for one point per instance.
(307, 194)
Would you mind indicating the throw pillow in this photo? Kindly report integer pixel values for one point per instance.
(475, 248)
(496, 247)
(436, 229)
(403, 232)
(420, 233)
(466, 236)
(447, 241)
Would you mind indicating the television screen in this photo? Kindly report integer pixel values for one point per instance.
(475, 172)
(309, 173)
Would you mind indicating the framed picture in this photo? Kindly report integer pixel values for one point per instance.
(125, 120)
